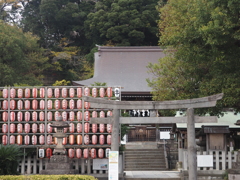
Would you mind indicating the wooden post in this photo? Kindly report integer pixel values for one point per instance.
(115, 130)
(192, 157)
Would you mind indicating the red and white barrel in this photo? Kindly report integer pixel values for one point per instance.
(71, 139)
(12, 128)
(64, 92)
(71, 127)
(79, 92)
(71, 104)
(12, 93)
(34, 104)
(109, 92)
(4, 128)
(85, 153)
(5, 105)
(49, 139)
(109, 139)
(94, 139)
(100, 153)
(41, 128)
(86, 115)
(56, 92)
(20, 104)
(49, 92)
(48, 152)
(12, 139)
(109, 128)
(107, 152)
(64, 141)
(26, 140)
(79, 104)
(78, 153)
(5, 116)
(86, 105)
(101, 128)
(41, 116)
(20, 93)
(12, 104)
(101, 139)
(26, 128)
(102, 114)
(27, 93)
(27, 116)
(49, 128)
(19, 128)
(19, 139)
(4, 140)
(64, 104)
(94, 128)
(86, 127)
(86, 139)
(71, 116)
(34, 116)
(42, 104)
(86, 91)
(34, 128)
(49, 104)
(49, 116)
(34, 139)
(93, 153)
(12, 116)
(94, 92)
(94, 114)
(34, 92)
(42, 92)
(79, 139)
(71, 92)
(102, 92)
(79, 127)
(56, 115)
(41, 153)
(57, 104)
(41, 140)
(71, 153)
(27, 104)
(64, 115)
(5, 93)
(79, 116)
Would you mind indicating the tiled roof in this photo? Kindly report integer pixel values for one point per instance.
(124, 66)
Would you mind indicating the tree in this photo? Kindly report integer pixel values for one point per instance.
(9, 159)
(21, 58)
(203, 51)
(123, 22)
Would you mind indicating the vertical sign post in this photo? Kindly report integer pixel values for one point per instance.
(113, 165)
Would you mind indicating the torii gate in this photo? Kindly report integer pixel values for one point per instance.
(190, 119)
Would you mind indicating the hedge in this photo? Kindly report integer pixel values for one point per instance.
(47, 177)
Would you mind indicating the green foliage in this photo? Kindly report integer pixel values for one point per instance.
(9, 159)
(99, 84)
(62, 83)
(21, 58)
(48, 177)
(202, 40)
(123, 22)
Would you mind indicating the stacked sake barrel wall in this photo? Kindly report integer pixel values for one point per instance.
(27, 113)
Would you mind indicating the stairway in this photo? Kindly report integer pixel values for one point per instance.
(145, 160)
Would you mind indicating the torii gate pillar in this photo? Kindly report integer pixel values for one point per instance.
(115, 130)
(192, 158)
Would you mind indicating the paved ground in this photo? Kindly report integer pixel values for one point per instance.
(152, 174)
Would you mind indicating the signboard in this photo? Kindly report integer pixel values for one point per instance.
(164, 134)
(100, 164)
(113, 165)
(204, 160)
